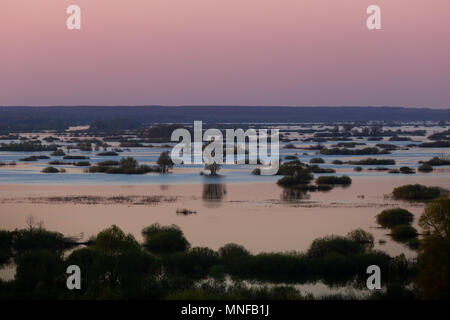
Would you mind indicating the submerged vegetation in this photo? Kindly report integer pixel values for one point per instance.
(392, 217)
(27, 146)
(34, 158)
(438, 161)
(165, 266)
(127, 165)
(345, 151)
(417, 192)
(333, 180)
(373, 162)
(52, 170)
(301, 176)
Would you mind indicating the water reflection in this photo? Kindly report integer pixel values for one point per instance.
(213, 194)
(411, 242)
(164, 187)
(294, 194)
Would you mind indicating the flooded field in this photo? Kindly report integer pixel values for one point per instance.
(235, 207)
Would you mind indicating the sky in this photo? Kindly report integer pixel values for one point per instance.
(225, 52)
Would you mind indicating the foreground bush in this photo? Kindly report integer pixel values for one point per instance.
(232, 251)
(433, 278)
(333, 244)
(195, 263)
(115, 262)
(218, 290)
(164, 239)
(5, 246)
(40, 269)
(115, 266)
(436, 218)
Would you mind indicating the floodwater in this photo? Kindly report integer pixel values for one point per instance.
(238, 207)
(261, 216)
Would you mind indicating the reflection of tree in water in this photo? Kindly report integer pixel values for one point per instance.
(164, 187)
(214, 192)
(294, 194)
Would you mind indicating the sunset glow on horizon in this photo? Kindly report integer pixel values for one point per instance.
(225, 52)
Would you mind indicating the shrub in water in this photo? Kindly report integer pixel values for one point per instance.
(316, 160)
(392, 217)
(302, 176)
(403, 232)
(416, 192)
(50, 170)
(425, 168)
(344, 180)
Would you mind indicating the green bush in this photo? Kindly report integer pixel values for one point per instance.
(403, 231)
(407, 170)
(345, 151)
(373, 162)
(6, 252)
(195, 262)
(334, 244)
(164, 239)
(127, 165)
(74, 157)
(34, 158)
(392, 217)
(50, 170)
(425, 168)
(41, 269)
(82, 164)
(232, 251)
(365, 239)
(113, 242)
(108, 163)
(436, 161)
(115, 262)
(302, 176)
(416, 192)
(35, 239)
(435, 220)
(107, 153)
(316, 160)
(58, 153)
(317, 169)
(290, 167)
(344, 180)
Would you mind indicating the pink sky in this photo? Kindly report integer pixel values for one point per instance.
(225, 52)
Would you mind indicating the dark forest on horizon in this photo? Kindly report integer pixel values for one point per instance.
(131, 117)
